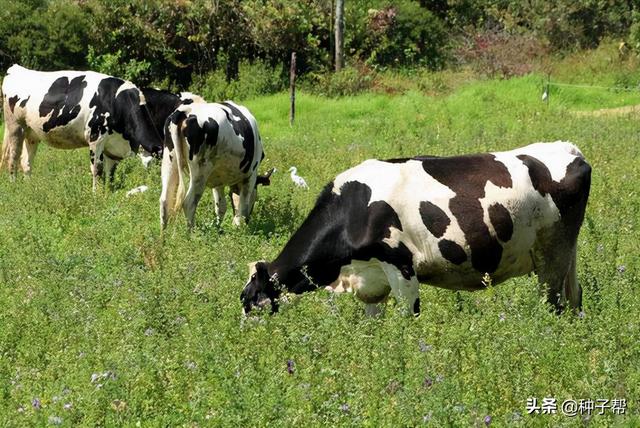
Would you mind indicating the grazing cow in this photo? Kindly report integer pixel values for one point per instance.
(216, 145)
(384, 226)
(73, 109)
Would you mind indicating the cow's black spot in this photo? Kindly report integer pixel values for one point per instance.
(243, 129)
(187, 102)
(434, 218)
(416, 307)
(569, 194)
(160, 104)
(339, 229)
(176, 119)
(467, 176)
(124, 115)
(102, 119)
(24, 102)
(452, 251)
(501, 221)
(199, 137)
(12, 102)
(62, 101)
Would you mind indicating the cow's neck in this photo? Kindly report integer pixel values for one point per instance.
(315, 253)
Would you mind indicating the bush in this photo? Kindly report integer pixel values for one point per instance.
(401, 34)
(349, 81)
(498, 53)
(254, 79)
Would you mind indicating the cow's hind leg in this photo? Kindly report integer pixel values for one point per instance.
(198, 175)
(12, 142)
(244, 202)
(170, 177)
(29, 149)
(110, 165)
(97, 163)
(219, 202)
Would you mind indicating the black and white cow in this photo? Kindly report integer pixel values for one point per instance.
(217, 145)
(384, 226)
(73, 109)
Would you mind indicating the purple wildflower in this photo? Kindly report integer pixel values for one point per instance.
(290, 366)
(487, 420)
(36, 403)
(621, 268)
(428, 382)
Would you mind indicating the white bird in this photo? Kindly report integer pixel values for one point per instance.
(139, 189)
(298, 181)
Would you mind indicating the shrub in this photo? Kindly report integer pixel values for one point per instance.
(254, 79)
(402, 34)
(498, 53)
(350, 80)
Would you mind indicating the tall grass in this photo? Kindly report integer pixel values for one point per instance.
(106, 322)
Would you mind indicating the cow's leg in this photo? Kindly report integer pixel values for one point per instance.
(244, 201)
(572, 292)
(375, 310)
(170, 177)
(96, 156)
(110, 165)
(220, 203)
(556, 269)
(198, 175)
(405, 290)
(12, 142)
(29, 149)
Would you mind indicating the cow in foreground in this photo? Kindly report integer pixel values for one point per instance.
(385, 226)
(215, 145)
(74, 109)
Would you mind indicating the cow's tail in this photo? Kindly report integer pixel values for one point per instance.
(176, 135)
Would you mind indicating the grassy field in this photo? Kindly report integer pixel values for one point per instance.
(102, 322)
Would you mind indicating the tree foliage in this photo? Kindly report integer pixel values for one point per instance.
(171, 42)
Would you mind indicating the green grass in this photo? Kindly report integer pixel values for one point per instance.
(89, 288)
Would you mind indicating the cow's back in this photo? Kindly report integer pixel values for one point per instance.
(464, 216)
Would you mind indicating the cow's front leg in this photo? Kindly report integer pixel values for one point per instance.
(407, 291)
(220, 203)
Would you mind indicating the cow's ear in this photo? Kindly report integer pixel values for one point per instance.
(252, 267)
(265, 179)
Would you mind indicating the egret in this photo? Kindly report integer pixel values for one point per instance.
(298, 181)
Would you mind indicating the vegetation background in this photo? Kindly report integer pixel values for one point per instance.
(105, 322)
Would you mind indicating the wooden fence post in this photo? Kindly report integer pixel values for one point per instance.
(339, 35)
(292, 88)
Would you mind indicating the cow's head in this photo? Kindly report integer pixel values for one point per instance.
(260, 290)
